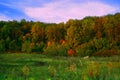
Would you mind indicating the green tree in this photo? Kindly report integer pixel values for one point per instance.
(70, 37)
(5, 31)
(86, 30)
(7, 43)
(27, 46)
(2, 45)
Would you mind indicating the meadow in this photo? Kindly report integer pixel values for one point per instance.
(19, 66)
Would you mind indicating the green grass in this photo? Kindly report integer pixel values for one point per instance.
(41, 67)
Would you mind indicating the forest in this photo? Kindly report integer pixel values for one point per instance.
(91, 36)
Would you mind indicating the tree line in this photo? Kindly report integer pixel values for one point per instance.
(93, 36)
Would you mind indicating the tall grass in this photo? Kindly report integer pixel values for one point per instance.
(41, 67)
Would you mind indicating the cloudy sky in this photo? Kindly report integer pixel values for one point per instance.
(56, 10)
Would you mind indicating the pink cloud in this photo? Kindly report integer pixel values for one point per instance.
(3, 17)
(63, 10)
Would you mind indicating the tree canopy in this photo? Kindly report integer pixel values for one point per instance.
(91, 36)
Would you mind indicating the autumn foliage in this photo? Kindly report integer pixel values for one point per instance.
(88, 37)
(71, 52)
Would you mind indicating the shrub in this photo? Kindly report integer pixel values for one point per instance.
(94, 46)
(38, 47)
(100, 44)
(25, 71)
(106, 53)
(84, 50)
(27, 46)
(56, 50)
(2, 46)
(13, 46)
(71, 53)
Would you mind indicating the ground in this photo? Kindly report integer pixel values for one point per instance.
(19, 66)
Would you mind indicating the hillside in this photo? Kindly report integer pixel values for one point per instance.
(92, 36)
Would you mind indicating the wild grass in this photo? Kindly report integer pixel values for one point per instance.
(41, 67)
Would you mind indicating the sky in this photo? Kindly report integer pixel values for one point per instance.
(56, 11)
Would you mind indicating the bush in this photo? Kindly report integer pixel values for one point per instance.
(84, 50)
(32, 47)
(107, 53)
(2, 45)
(56, 50)
(13, 46)
(100, 44)
(71, 52)
(38, 47)
(27, 46)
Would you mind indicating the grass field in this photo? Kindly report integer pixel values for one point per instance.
(41, 67)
